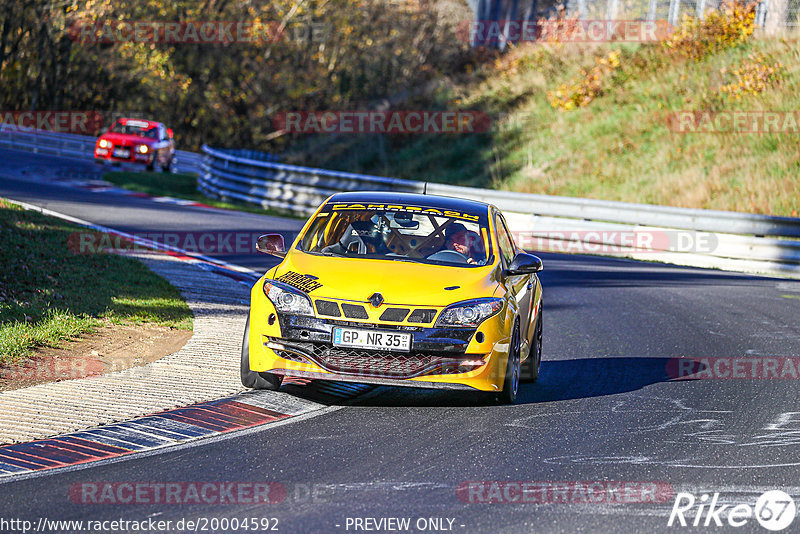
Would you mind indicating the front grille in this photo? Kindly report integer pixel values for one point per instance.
(396, 315)
(326, 307)
(422, 315)
(371, 363)
(354, 311)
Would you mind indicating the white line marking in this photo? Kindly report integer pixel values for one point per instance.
(135, 239)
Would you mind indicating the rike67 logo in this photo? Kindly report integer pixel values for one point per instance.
(774, 510)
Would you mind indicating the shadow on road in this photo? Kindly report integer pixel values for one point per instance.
(559, 380)
(593, 377)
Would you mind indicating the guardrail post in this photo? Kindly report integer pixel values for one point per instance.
(775, 19)
(611, 9)
(674, 11)
(582, 12)
(651, 10)
(701, 9)
(761, 14)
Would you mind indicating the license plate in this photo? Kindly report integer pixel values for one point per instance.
(122, 153)
(371, 339)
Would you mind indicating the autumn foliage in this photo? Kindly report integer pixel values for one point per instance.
(320, 54)
(729, 26)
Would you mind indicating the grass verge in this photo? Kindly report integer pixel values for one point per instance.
(49, 294)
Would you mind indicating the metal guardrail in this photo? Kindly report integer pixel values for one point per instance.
(739, 238)
(76, 146)
(302, 190)
(298, 190)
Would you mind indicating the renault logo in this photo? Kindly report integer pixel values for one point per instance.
(376, 299)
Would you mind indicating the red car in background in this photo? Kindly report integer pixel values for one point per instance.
(137, 141)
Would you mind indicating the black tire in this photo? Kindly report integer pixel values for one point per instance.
(151, 166)
(168, 166)
(253, 379)
(529, 371)
(511, 382)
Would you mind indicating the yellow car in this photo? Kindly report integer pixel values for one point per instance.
(399, 289)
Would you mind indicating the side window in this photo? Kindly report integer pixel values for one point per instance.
(507, 248)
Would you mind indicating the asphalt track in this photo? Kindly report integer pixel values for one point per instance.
(605, 408)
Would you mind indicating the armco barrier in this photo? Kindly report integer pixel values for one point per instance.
(275, 185)
(744, 242)
(299, 190)
(741, 242)
(75, 146)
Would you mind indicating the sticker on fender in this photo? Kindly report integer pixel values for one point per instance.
(371, 339)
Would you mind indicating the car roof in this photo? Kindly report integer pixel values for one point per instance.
(150, 124)
(414, 199)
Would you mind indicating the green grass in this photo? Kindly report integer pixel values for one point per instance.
(49, 294)
(619, 147)
(183, 186)
(158, 184)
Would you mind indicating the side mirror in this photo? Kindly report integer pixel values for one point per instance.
(169, 133)
(525, 264)
(271, 244)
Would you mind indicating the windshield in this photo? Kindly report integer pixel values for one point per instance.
(410, 233)
(135, 128)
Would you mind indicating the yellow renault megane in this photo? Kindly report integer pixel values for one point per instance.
(399, 289)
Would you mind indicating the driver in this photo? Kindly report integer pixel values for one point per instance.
(459, 239)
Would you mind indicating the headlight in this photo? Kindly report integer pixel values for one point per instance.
(104, 144)
(142, 149)
(288, 299)
(469, 312)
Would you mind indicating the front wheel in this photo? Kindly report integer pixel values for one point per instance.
(254, 379)
(530, 367)
(167, 167)
(511, 382)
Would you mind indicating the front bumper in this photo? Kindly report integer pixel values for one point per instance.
(379, 381)
(107, 154)
(453, 358)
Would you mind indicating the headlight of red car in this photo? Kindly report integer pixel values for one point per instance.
(103, 143)
(142, 149)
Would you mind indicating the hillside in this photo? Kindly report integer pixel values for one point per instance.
(594, 121)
